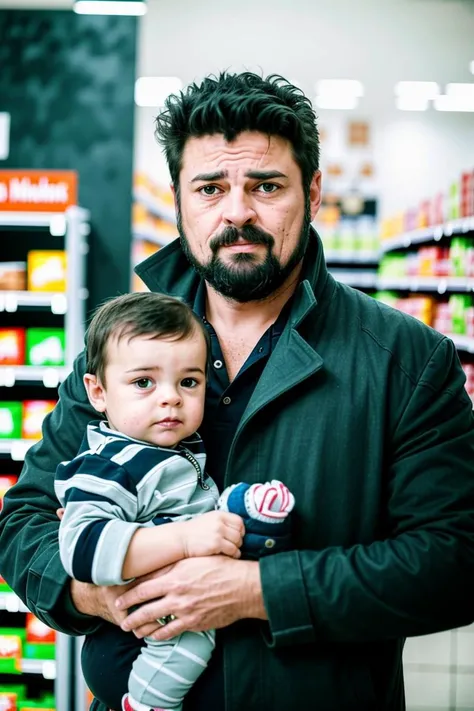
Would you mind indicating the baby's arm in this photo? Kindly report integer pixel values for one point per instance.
(100, 539)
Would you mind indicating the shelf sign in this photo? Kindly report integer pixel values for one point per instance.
(37, 190)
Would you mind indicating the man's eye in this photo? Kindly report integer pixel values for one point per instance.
(189, 383)
(209, 190)
(268, 188)
(143, 383)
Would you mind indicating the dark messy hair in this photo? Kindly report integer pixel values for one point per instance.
(137, 314)
(232, 103)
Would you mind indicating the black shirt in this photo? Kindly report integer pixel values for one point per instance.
(225, 405)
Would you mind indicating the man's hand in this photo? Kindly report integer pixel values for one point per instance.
(203, 593)
(98, 600)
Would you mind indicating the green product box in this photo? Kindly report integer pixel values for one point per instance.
(45, 346)
(46, 703)
(393, 265)
(458, 304)
(10, 420)
(458, 255)
(39, 650)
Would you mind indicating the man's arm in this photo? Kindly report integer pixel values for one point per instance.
(29, 551)
(420, 580)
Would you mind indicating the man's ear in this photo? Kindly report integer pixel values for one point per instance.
(95, 392)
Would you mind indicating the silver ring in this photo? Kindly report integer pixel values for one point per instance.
(165, 619)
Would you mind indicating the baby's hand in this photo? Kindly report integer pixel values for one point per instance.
(213, 533)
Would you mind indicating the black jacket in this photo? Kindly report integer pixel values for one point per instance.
(362, 412)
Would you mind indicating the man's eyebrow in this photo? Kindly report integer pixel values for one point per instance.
(208, 177)
(253, 174)
(264, 174)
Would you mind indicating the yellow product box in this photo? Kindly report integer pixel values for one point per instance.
(47, 270)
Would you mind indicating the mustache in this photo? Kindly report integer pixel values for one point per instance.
(248, 233)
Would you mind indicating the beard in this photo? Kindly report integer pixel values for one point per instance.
(246, 277)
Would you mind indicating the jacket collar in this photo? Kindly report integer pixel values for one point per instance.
(168, 271)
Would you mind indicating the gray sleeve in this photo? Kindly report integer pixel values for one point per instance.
(99, 521)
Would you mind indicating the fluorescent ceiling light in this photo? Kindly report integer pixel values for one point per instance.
(460, 90)
(411, 103)
(338, 87)
(419, 89)
(153, 91)
(454, 103)
(336, 102)
(110, 7)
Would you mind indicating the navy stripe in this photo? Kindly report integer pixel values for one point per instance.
(146, 459)
(100, 468)
(76, 495)
(84, 551)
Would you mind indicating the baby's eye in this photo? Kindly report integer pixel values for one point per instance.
(189, 383)
(143, 383)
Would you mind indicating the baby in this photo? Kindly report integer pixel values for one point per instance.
(136, 497)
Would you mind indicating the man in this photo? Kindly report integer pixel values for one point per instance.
(360, 410)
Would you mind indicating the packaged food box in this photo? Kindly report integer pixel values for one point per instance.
(34, 412)
(13, 276)
(6, 482)
(11, 648)
(12, 347)
(47, 270)
(45, 346)
(11, 696)
(37, 631)
(10, 420)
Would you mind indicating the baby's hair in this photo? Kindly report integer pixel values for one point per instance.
(138, 314)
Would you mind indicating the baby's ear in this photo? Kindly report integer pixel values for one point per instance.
(95, 392)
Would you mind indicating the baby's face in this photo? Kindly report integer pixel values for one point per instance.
(155, 387)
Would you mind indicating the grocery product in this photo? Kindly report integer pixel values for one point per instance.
(12, 346)
(10, 420)
(45, 346)
(34, 412)
(46, 270)
(6, 482)
(13, 276)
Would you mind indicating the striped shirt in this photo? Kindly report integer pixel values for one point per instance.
(115, 485)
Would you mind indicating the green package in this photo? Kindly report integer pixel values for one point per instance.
(10, 420)
(458, 305)
(45, 346)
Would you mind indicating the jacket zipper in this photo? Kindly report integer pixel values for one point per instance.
(186, 453)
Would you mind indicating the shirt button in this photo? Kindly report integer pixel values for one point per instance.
(226, 400)
(269, 543)
(217, 364)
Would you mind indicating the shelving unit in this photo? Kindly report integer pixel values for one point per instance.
(66, 231)
(425, 235)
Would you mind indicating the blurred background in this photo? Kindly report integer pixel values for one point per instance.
(84, 196)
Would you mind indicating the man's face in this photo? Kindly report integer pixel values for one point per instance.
(242, 215)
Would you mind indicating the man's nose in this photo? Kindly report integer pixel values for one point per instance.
(238, 209)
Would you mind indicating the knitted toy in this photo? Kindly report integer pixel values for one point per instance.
(265, 510)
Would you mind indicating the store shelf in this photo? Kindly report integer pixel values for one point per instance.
(49, 376)
(16, 448)
(441, 285)
(463, 343)
(357, 279)
(11, 602)
(333, 256)
(32, 219)
(11, 300)
(155, 207)
(45, 667)
(159, 238)
(428, 234)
